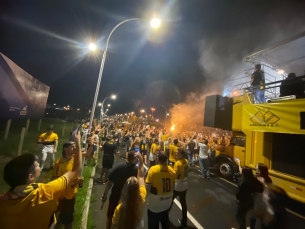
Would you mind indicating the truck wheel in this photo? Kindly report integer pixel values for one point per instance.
(225, 169)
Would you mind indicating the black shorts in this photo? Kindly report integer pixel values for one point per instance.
(107, 163)
(66, 211)
(113, 203)
(144, 152)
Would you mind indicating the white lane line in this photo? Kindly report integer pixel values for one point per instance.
(189, 216)
(287, 209)
(294, 213)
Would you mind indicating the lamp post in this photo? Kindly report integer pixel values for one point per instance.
(152, 112)
(155, 23)
(102, 105)
(165, 115)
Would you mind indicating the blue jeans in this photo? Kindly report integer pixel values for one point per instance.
(190, 157)
(259, 94)
(204, 164)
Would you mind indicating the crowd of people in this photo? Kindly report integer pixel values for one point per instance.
(166, 157)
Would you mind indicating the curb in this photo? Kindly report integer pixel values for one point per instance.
(87, 201)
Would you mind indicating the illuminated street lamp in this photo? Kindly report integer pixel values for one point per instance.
(152, 112)
(108, 105)
(92, 47)
(102, 105)
(155, 23)
(99, 104)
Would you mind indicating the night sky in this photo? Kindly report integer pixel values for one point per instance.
(144, 67)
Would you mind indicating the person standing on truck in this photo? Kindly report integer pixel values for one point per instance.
(257, 83)
(204, 153)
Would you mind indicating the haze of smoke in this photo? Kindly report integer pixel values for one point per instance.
(220, 57)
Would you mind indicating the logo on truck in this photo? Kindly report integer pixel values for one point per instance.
(260, 119)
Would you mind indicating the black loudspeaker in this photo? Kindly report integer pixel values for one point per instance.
(218, 112)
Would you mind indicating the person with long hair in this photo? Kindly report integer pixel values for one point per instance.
(263, 174)
(262, 209)
(248, 186)
(129, 212)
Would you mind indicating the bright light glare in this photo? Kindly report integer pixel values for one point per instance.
(155, 22)
(281, 72)
(109, 105)
(167, 114)
(113, 96)
(92, 46)
(142, 110)
(99, 104)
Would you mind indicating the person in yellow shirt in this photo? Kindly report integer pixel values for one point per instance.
(49, 142)
(63, 165)
(160, 183)
(29, 204)
(128, 214)
(172, 152)
(153, 151)
(164, 137)
(181, 170)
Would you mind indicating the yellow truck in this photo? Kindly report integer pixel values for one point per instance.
(270, 133)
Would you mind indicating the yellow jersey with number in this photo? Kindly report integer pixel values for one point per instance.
(181, 170)
(172, 152)
(161, 179)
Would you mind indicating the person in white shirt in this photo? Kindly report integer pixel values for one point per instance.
(204, 153)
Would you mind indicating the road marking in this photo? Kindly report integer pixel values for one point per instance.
(287, 209)
(191, 218)
(294, 213)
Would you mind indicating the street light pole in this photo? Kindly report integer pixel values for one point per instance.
(165, 115)
(154, 23)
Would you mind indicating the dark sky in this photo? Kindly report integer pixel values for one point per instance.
(144, 67)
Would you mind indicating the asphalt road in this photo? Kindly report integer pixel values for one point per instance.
(211, 203)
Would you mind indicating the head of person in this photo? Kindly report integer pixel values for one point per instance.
(68, 149)
(257, 67)
(176, 141)
(109, 138)
(130, 156)
(130, 211)
(162, 157)
(169, 140)
(21, 170)
(156, 141)
(49, 131)
(180, 153)
(247, 174)
(262, 170)
(205, 142)
(161, 145)
(195, 137)
(291, 75)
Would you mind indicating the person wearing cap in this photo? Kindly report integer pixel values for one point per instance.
(63, 165)
(116, 180)
(33, 205)
(109, 148)
(49, 142)
(257, 83)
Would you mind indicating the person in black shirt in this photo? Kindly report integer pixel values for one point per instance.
(117, 178)
(110, 148)
(292, 85)
(257, 82)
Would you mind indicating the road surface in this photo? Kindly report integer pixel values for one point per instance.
(211, 203)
